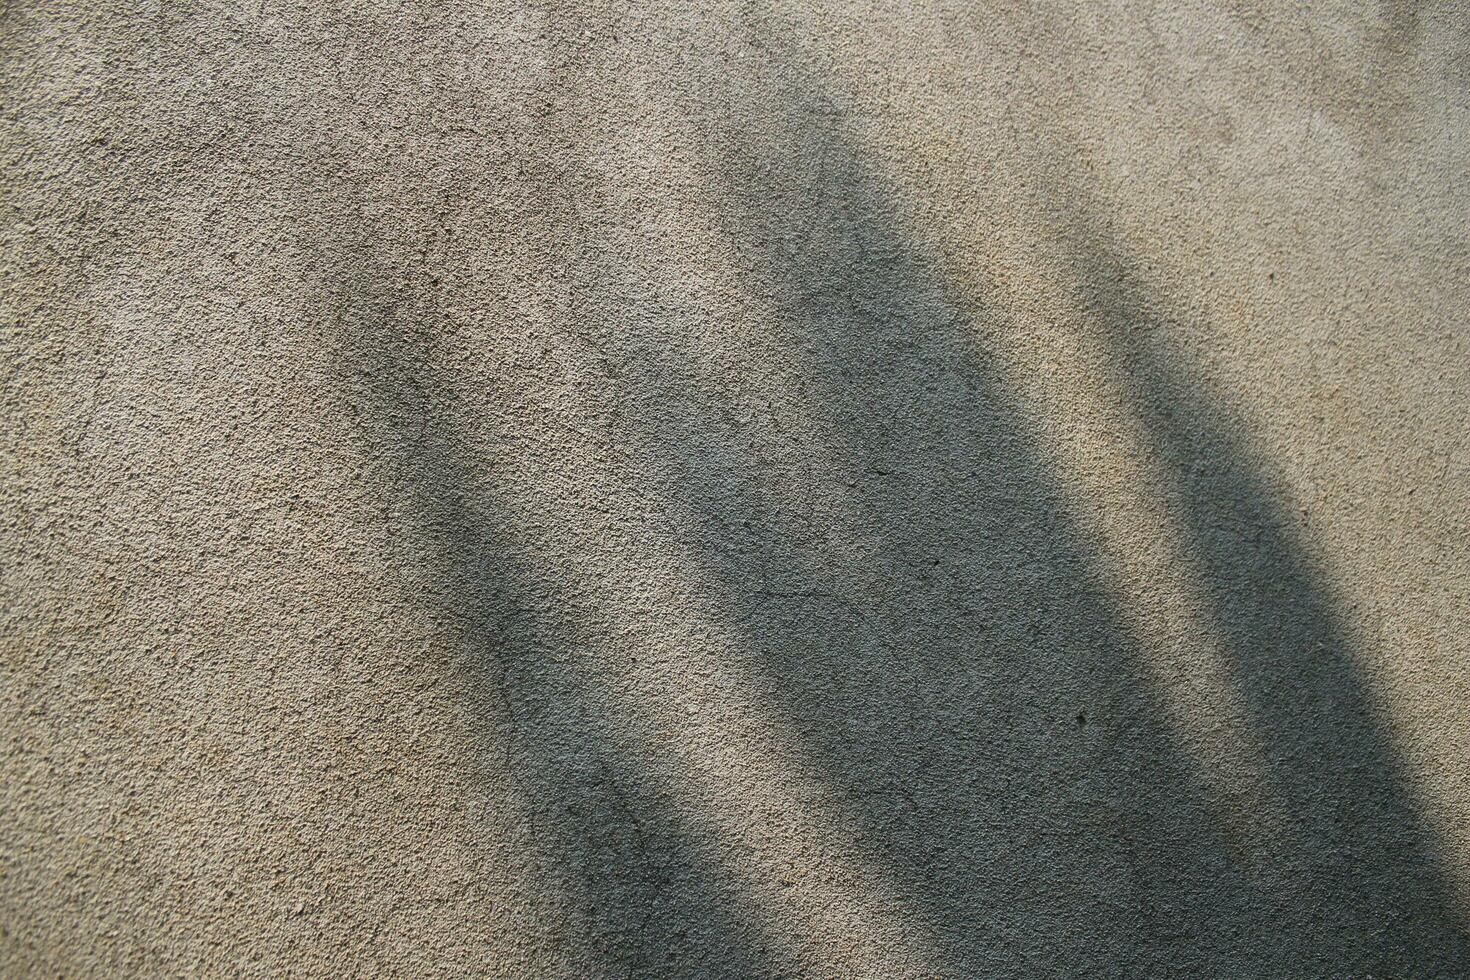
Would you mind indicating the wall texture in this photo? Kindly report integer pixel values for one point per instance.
(735, 490)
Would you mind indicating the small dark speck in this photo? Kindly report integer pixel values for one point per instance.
(1081, 718)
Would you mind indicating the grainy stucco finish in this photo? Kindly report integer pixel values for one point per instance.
(798, 489)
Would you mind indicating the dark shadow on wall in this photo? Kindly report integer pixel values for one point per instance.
(1359, 874)
(626, 886)
(943, 649)
(927, 614)
(644, 902)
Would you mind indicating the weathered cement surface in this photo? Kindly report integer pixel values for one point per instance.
(764, 490)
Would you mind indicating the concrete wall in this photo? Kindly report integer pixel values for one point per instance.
(776, 489)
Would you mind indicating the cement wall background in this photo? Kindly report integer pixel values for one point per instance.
(789, 489)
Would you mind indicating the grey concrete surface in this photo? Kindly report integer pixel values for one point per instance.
(735, 490)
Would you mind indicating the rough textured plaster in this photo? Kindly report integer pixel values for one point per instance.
(735, 489)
